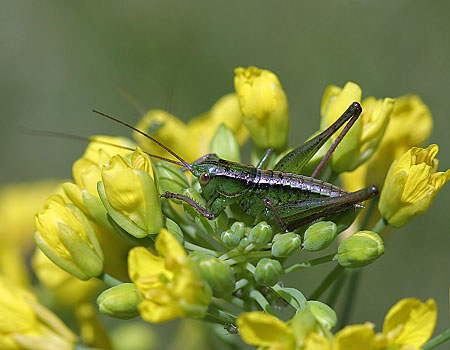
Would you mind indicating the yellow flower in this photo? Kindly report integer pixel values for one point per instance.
(409, 126)
(67, 237)
(264, 106)
(355, 337)
(87, 170)
(410, 323)
(411, 185)
(129, 194)
(67, 289)
(407, 326)
(261, 329)
(364, 136)
(303, 331)
(18, 203)
(25, 324)
(191, 140)
(170, 284)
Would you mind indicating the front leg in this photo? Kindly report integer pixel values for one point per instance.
(191, 202)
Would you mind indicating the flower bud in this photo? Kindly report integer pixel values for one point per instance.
(260, 234)
(286, 244)
(67, 237)
(244, 243)
(264, 106)
(363, 138)
(207, 226)
(129, 194)
(411, 185)
(219, 276)
(230, 239)
(324, 314)
(170, 178)
(225, 145)
(239, 228)
(268, 272)
(360, 249)
(319, 236)
(119, 301)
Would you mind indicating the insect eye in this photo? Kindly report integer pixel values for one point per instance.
(204, 178)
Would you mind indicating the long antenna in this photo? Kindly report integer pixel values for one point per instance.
(186, 164)
(90, 139)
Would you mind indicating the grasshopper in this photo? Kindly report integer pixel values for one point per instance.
(280, 196)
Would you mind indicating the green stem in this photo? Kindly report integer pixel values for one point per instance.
(350, 297)
(327, 282)
(109, 280)
(380, 225)
(437, 340)
(262, 301)
(240, 284)
(236, 302)
(259, 254)
(336, 289)
(369, 213)
(192, 246)
(236, 260)
(310, 263)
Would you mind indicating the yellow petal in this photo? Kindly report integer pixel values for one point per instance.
(259, 328)
(355, 337)
(142, 264)
(410, 322)
(169, 247)
(315, 341)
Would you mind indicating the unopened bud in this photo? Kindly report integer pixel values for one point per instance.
(268, 272)
(219, 276)
(170, 178)
(239, 228)
(360, 249)
(225, 144)
(286, 245)
(260, 234)
(324, 314)
(119, 301)
(230, 239)
(319, 236)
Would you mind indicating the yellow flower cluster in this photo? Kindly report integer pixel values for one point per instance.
(408, 325)
(170, 283)
(26, 324)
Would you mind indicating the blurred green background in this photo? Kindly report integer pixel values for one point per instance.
(60, 59)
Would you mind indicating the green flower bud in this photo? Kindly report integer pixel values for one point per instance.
(268, 272)
(207, 226)
(324, 314)
(170, 178)
(230, 239)
(360, 249)
(174, 229)
(260, 234)
(119, 301)
(219, 276)
(239, 228)
(244, 243)
(319, 236)
(286, 244)
(225, 145)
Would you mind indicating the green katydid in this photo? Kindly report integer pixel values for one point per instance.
(280, 196)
